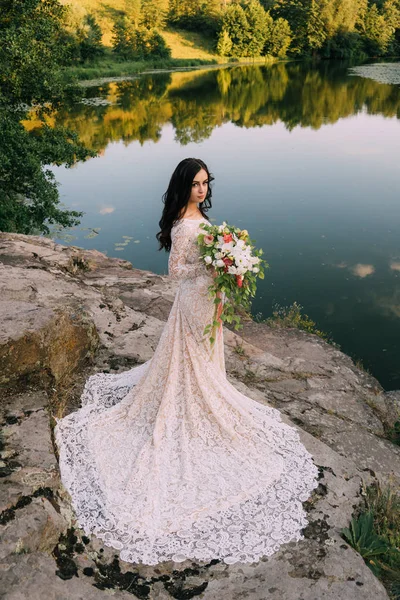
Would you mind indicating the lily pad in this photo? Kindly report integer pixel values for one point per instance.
(382, 72)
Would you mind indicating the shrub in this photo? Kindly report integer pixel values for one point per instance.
(345, 44)
(284, 316)
(138, 43)
(195, 15)
(374, 533)
(90, 45)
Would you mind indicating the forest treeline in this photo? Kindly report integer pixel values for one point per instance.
(245, 28)
(301, 28)
(239, 28)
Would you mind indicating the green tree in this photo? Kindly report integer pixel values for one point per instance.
(91, 41)
(334, 27)
(267, 4)
(196, 15)
(180, 9)
(315, 28)
(237, 27)
(224, 43)
(137, 43)
(341, 15)
(28, 189)
(153, 44)
(378, 32)
(295, 12)
(279, 38)
(31, 52)
(258, 28)
(344, 44)
(151, 16)
(123, 38)
(391, 12)
(132, 9)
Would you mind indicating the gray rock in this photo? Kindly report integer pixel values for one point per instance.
(323, 391)
(70, 312)
(34, 576)
(36, 528)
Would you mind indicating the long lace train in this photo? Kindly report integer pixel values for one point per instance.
(169, 461)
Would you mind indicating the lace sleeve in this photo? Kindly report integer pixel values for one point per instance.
(181, 250)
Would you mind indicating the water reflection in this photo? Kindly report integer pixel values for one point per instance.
(362, 271)
(196, 103)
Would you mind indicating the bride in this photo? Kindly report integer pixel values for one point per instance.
(168, 460)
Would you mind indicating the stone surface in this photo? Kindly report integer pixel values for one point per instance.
(36, 339)
(322, 390)
(38, 527)
(70, 312)
(33, 576)
(26, 448)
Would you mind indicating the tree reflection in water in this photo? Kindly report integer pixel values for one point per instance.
(296, 94)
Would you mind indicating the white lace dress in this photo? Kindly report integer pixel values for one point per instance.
(168, 460)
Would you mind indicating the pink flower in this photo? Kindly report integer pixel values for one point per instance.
(208, 239)
(228, 261)
(227, 238)
(239, 280)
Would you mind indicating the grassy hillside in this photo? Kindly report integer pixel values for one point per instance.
(183, 44)
(187, 48)
(189, 44)
(106, 12)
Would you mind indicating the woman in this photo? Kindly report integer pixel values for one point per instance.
(168, 460)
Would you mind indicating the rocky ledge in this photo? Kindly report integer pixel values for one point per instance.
(66, 313)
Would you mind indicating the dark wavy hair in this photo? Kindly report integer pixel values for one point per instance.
(177, 197)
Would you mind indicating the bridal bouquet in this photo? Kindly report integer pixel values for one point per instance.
(237, 263)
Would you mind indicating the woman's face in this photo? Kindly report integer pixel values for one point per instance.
(199, 187)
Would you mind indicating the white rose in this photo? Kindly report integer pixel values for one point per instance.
(220, 263)
(255, 270)
(208, 260)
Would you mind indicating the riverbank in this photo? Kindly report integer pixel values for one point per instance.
(111, 70)
(66, 313)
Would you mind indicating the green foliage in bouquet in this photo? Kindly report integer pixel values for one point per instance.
(239, 289)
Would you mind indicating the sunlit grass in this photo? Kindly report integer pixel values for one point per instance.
(189, 44)
(290, 316)
(114, 68)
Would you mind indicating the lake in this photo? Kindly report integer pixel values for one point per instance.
(306, 157)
